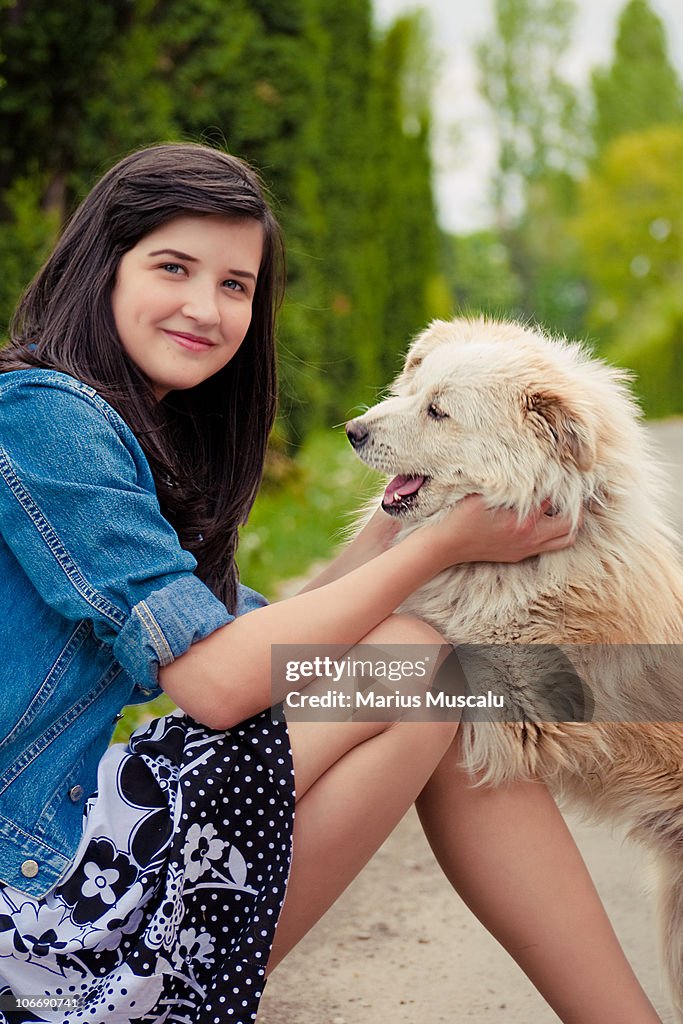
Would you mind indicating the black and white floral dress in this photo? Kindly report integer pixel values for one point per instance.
(168, 912)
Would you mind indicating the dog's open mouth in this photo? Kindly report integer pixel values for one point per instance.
(401, 492)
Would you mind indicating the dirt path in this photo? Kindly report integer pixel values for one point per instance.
(400, 947)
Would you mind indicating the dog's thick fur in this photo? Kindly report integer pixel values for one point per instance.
(500, 409)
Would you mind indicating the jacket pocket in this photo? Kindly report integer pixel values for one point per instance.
(49, 684)
(58, 726)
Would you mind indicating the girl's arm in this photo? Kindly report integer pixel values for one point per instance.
(226, 678)
(374, 538)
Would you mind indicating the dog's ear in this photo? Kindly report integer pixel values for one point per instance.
(439, 332)
(550, 414)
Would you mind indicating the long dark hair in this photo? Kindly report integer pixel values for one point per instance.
(206, 445)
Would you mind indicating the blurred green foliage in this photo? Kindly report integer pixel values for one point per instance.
(540, 126)
(641, 88)
(26, 236)
(650, 342)
(629, 223)
(587, 193)
(537, 117)
(483, 279)
(295, 525)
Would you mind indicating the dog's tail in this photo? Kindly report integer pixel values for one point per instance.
(670, 899)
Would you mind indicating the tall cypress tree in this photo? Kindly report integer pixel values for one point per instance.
(538, 124)
(543, 143)
(352, 303)
(404, 202)
(61, 65)
(52, 64)
(640, 89)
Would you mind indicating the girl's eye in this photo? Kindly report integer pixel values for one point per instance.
(173, 268)
(234, 285)
(435, 413)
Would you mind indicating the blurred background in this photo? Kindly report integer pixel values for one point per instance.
(521, 157)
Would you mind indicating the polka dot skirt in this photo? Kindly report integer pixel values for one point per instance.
(169, 910)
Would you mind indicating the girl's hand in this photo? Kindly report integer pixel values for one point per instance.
(472, 532)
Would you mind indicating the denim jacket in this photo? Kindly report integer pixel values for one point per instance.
(96, 594)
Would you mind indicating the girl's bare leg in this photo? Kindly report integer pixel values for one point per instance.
(354, 782)
(509, 854)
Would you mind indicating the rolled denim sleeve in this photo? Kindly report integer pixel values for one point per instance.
(248, 600)
(78, 509)
(164, 625)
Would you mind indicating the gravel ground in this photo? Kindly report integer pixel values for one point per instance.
(399, 946)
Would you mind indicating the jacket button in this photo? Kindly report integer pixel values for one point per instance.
(75, 794)
(29, 869)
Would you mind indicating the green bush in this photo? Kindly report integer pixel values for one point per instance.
(650, 342)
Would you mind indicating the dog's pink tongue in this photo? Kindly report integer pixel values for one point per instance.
(401, 486)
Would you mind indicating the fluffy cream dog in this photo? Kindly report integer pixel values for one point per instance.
(501, 409)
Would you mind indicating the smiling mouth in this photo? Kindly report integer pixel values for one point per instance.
(190, 341)
(401, 493)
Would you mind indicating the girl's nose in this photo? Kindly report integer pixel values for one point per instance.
(201, 306)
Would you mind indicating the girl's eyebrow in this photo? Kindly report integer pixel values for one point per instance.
(193, 259)
(174, 252)
(243, 273)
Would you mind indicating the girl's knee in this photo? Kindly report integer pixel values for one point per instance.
(417, 650)
(432, 738)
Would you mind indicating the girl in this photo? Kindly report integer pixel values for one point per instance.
(146, 882)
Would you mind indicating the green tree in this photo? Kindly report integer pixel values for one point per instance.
(536, 117)
(52, 62)
(350, 310)
(545, 255)
(26, 236)
(630, 231)
(543, 143)
(79, 91)
(132, 105)
(640, 88)
(403, 216)
(650, 343)
(479, 274)
(629, 224)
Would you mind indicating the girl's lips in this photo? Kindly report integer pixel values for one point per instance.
(190, 341)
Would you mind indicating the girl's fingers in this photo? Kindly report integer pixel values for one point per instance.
(548, 531)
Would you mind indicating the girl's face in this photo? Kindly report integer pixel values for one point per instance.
(183, 297)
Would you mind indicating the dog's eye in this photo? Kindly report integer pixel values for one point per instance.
(435, 413)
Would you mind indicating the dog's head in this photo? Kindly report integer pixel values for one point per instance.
(500, 409)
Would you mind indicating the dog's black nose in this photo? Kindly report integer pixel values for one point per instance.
(357, 433)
